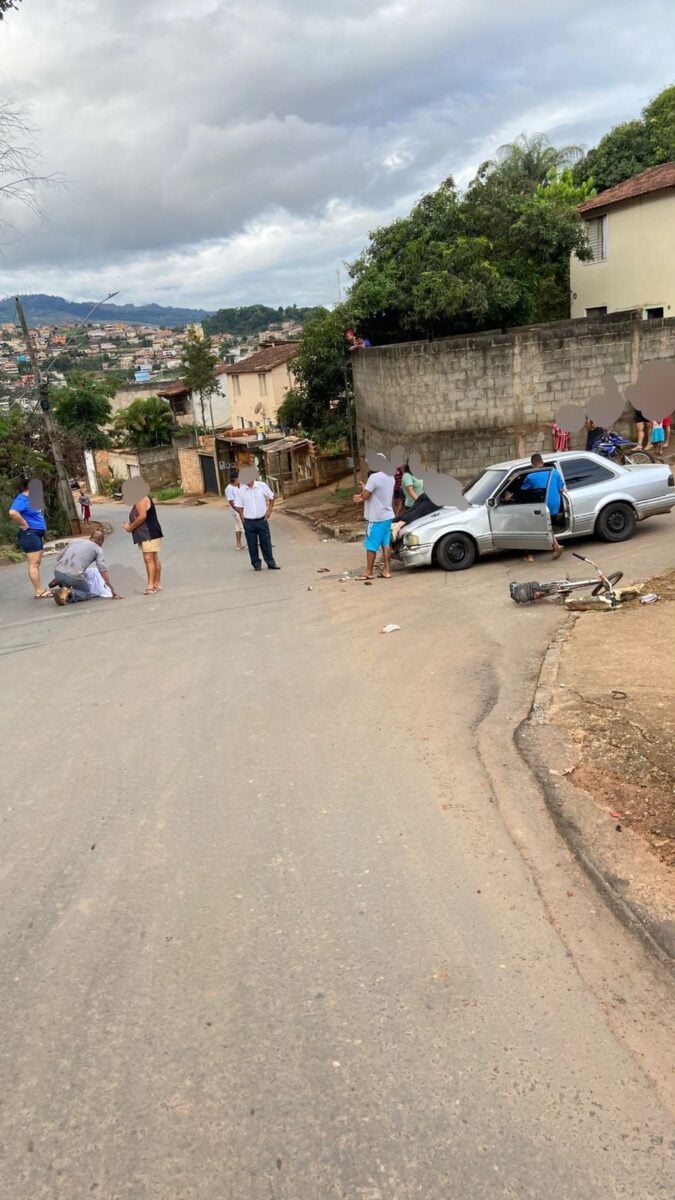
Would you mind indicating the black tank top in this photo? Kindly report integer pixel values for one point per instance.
(150, 529)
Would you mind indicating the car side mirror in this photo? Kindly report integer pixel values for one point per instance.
(492, 502)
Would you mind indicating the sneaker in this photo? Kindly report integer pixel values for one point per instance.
(273, 567)
(258, 568)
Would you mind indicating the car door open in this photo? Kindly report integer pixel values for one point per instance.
(520, 526)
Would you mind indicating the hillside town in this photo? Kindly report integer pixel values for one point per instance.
(127, 353)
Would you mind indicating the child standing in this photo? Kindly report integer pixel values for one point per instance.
(658, 436)
(85, 506)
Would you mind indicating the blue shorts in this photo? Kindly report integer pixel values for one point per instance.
(30, 540)
(378, 534)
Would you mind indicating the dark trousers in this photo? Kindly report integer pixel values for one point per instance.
(79, 585)
(258, 540)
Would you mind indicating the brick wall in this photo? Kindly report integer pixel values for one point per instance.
(190, 471)
(464, 402)
(158, 466)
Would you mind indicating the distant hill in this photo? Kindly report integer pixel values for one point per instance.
(54, 310)
(254, 318)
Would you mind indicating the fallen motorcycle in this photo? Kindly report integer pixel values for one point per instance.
(602, 585)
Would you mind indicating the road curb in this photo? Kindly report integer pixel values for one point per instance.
(655, 934)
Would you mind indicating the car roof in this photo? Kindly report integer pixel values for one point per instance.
(550, 456)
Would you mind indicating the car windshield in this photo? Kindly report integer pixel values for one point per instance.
(480, 489)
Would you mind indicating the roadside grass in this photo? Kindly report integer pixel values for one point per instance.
(168, 493)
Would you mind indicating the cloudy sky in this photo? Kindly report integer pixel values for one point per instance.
(222, 152)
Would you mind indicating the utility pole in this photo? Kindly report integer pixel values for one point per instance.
(42, 387)
(352, 439)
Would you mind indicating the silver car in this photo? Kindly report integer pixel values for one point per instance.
(601, 498)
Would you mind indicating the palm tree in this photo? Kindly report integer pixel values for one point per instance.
(145, 423)
(531, 159)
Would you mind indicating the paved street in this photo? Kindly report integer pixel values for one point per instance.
(283, 914)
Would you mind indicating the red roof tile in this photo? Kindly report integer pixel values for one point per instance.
(654, 179)
(265, 360)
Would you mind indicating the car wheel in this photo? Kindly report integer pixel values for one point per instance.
(616, 523)
(456, 552)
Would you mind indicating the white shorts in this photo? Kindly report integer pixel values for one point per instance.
(238, 524)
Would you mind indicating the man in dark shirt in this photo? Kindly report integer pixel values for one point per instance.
(594, 434)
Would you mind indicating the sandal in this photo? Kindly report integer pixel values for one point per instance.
(42, 595)
(149, 592)
(363, 578)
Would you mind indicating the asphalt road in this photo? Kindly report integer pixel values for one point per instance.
(283, 915)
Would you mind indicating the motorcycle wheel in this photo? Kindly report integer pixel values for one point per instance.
(613, 579)
(640, 456)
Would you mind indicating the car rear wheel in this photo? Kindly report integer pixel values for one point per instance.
(616, 523)
(456, 552)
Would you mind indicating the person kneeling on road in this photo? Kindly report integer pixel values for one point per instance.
(72, 585)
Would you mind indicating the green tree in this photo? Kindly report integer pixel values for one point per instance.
(529, 161)
(659, 118)
(316, 404)
(621, 153)
(5, 6)
(199, 364)
(145, 423)
(496, 257)
(632, 146)
(83, 406)
(25, 453)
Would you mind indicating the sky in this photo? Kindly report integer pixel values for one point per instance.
(222, 152)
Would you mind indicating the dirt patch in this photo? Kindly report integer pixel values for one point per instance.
(616, 700)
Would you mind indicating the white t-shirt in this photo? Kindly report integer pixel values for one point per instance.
(232, 494)
(253, 499)
(379, 506)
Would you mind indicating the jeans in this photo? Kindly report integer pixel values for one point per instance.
(79, 586)
(257, 534)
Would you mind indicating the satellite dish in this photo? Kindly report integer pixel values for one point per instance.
(258, 407)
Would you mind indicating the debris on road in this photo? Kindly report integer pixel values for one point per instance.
(322, 570)
(390, 628)
(650, 598)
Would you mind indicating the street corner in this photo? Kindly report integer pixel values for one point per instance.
(599, 740)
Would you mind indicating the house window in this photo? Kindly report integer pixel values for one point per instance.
(262, 383)
(596, 230)
(653, 314)
(599, 311)
(236, 389)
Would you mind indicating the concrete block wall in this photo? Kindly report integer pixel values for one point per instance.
(465, 402)
(190, 471)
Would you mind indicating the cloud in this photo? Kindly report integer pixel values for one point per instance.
(220, 152)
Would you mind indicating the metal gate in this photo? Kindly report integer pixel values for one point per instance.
(209, 476)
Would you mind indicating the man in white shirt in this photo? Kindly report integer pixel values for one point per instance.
(232, 496)
(377, 496)
(255, 504)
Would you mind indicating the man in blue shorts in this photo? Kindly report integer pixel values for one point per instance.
(549, 480)
(377, 497)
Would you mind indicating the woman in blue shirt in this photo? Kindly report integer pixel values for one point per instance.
(31, 535)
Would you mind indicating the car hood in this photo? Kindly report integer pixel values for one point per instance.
(446, 518)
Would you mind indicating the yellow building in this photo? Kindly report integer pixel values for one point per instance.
(631, 231)
(257, 385)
